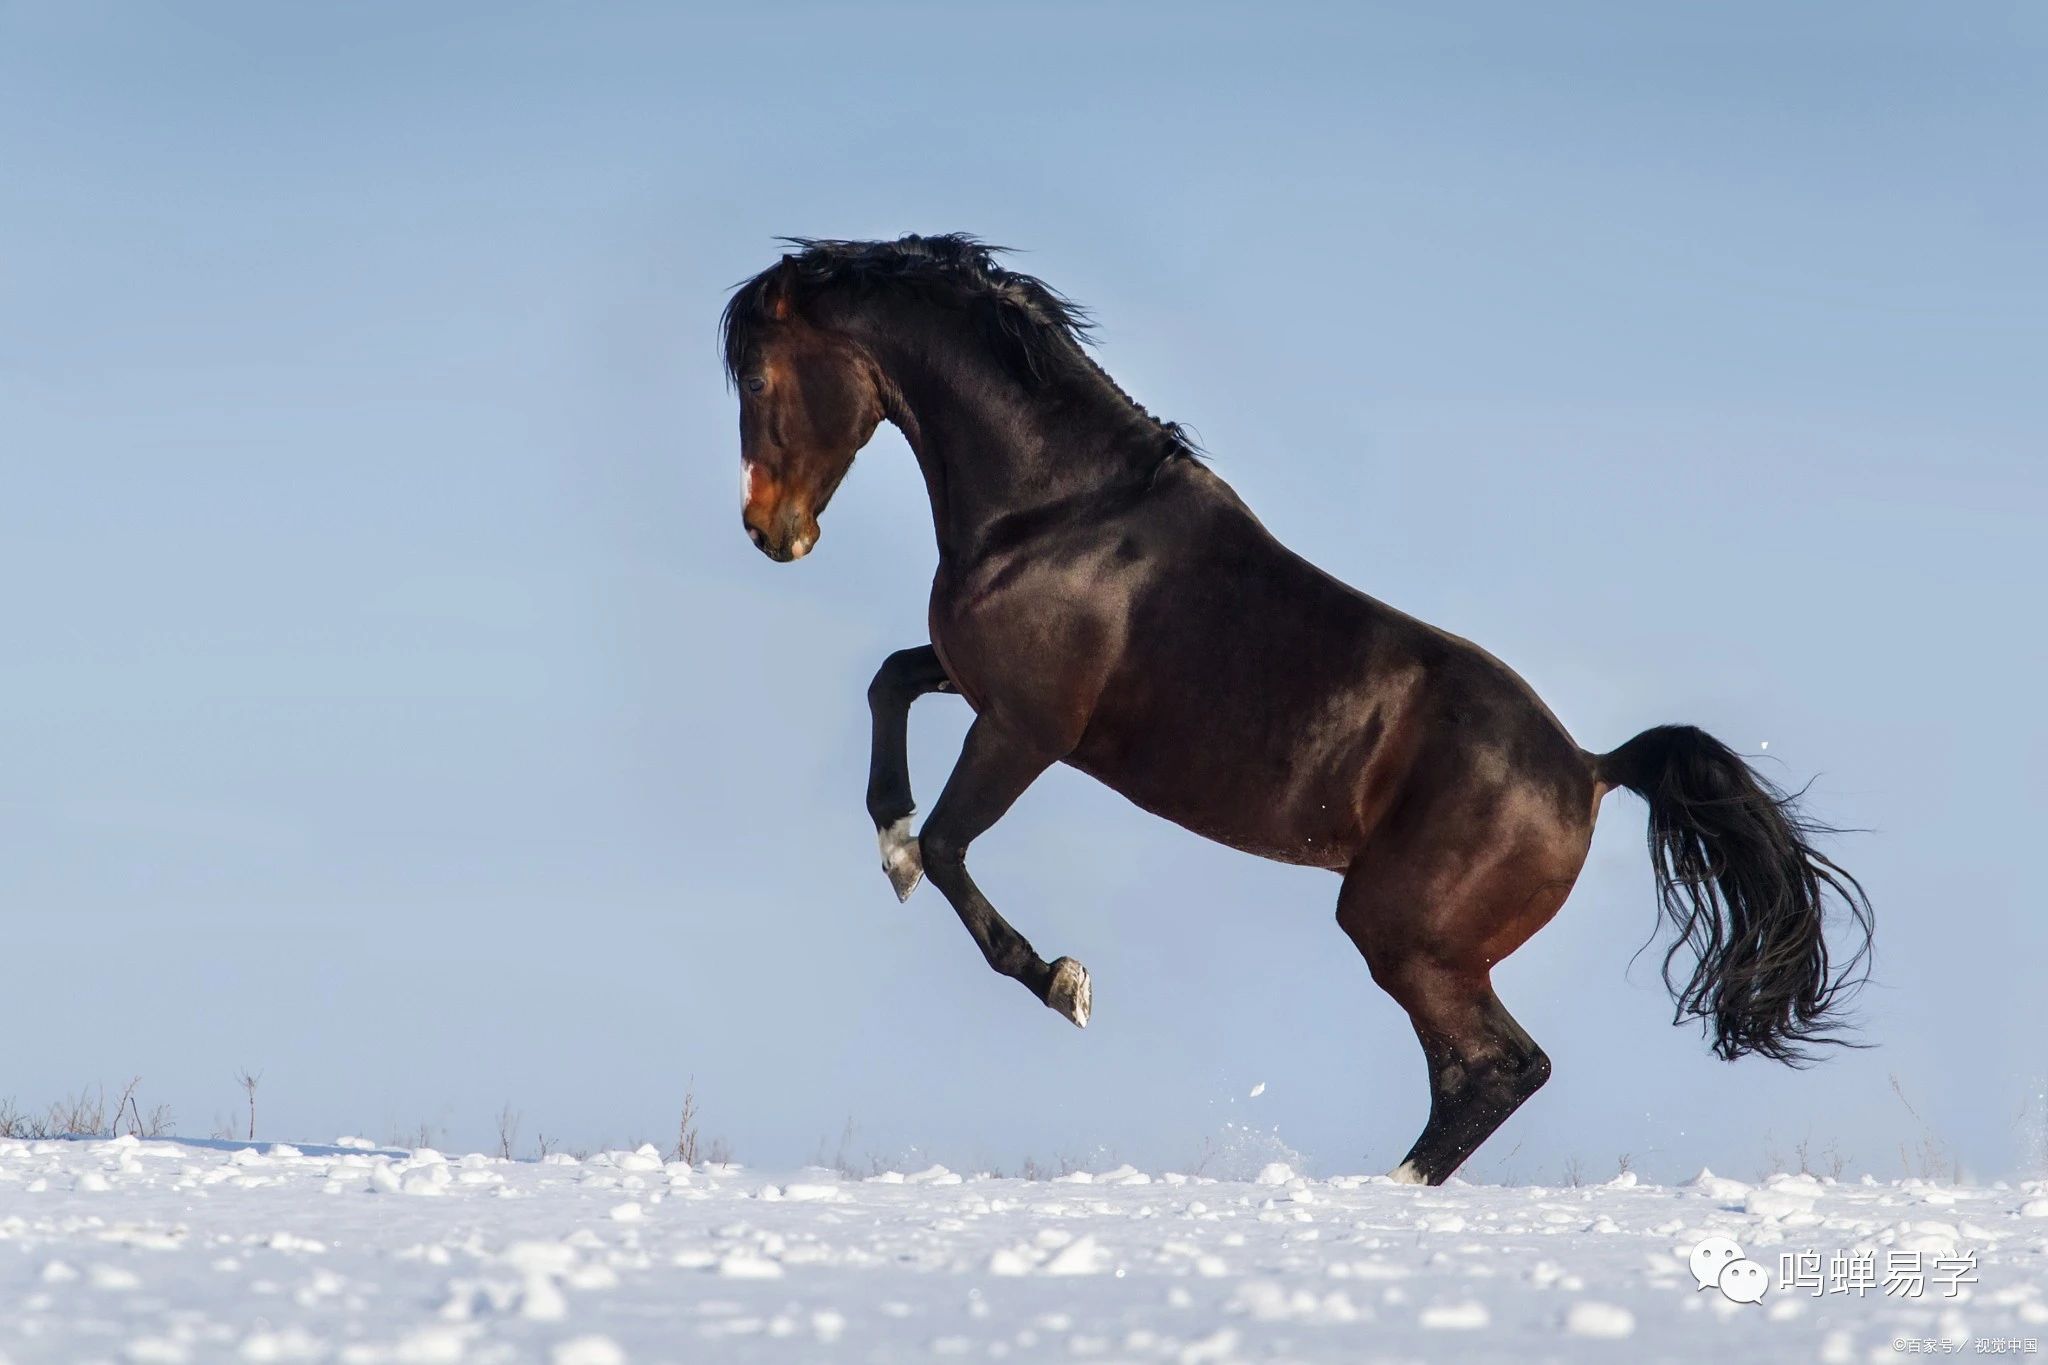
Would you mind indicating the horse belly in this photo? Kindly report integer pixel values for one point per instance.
(1243, 786)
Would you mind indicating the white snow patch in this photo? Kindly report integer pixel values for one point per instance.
(747, 1265)
(1592, 1318)
(175, 1254)
(1467, 1315)
(1079, 1257)
(588, 1350)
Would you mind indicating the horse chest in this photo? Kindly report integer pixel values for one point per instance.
(955, 645)
(964, 681)
(1011, 640)
(978, 670)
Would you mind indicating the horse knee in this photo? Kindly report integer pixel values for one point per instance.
(887, 688)
(940, 849)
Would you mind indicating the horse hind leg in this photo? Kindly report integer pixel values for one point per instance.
(1482, 1066)
(1433, 960)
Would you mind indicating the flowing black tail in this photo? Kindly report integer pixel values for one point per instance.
(1742, 884)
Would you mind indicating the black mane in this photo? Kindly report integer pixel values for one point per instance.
(1037, 331)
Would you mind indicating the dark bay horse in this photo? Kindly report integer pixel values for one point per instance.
(1103, 599)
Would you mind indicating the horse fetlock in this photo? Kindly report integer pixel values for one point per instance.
(901, 861)
(1071, 994)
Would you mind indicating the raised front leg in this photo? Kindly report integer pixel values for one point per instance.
(993, 771)
(903, 677)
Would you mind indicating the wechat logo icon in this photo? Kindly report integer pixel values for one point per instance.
(1717, 1263)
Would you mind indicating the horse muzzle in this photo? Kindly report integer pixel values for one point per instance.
(783, 536)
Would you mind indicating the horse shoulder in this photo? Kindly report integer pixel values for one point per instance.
(1028, 638)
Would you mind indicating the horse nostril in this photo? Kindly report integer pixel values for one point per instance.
(754, 534)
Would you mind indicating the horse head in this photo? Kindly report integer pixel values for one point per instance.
(809, 400)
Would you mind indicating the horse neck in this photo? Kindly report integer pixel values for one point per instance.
(995, 449)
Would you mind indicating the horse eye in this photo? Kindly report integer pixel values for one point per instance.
(755, 383)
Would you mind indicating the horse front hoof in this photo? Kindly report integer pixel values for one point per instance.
(901, 861)
(1071, 994)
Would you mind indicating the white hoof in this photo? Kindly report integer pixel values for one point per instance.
(901, 861)
(1407, 1174)
(1071, 993)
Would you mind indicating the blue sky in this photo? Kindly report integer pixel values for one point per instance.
(393, 705)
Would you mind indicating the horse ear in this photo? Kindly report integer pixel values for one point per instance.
(781, 289)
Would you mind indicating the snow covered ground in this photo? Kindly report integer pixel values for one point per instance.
(162, 1251)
